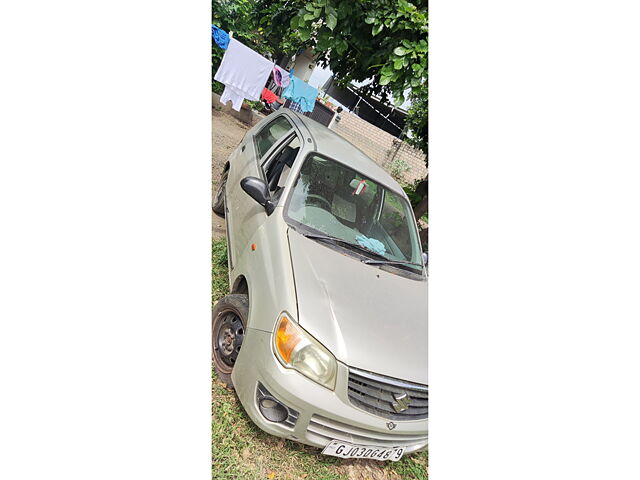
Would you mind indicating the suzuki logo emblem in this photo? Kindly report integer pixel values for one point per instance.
(401, 403)
(391, 425)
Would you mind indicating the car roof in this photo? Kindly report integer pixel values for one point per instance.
(332, 145)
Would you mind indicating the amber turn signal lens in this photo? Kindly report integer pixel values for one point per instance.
(287, 337)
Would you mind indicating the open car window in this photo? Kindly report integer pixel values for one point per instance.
(279, 165)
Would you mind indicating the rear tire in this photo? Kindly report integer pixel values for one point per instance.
(228, 322)
(218, 202)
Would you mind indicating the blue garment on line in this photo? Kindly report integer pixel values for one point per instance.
(302, 93)
(372, 244)
(220, 36)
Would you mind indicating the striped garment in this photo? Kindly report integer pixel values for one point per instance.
(294, 106)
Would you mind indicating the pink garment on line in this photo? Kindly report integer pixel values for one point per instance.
(281, 76)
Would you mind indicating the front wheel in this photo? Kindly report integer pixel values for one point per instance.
(228, 329)
(218, 202)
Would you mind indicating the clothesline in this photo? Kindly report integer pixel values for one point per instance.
(244, 73)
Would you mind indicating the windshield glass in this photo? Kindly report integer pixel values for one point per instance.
(332, 199)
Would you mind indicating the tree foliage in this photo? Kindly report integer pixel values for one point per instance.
(417, 122)
(383, 41)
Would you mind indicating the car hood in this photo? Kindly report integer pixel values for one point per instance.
(367, 317)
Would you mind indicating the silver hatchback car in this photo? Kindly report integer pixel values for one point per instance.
(324, 334)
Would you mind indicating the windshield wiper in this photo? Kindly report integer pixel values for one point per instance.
(384, 260)
(390, 262)
(345, 242)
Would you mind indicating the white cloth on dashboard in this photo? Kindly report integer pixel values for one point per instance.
(244, 72)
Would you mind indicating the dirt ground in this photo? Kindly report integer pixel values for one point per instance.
(227, 132)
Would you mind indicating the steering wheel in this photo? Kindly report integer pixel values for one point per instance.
(323, 200)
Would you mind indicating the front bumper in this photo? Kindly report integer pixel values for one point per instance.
(323, 415)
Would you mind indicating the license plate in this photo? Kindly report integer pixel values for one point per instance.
(348, 450)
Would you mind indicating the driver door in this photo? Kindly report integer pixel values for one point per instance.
(247, 215)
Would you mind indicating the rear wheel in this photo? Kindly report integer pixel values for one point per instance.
(228, 329)
(218, 201)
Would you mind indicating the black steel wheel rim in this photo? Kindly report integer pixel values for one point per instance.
(227, 339)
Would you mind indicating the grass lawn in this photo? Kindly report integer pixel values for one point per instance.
(240, 450)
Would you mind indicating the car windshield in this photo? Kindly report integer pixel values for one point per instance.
(334, 200)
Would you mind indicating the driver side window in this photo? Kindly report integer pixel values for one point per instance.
(279, 166)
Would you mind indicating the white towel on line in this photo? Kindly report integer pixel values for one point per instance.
(235, 96)
(244, 72)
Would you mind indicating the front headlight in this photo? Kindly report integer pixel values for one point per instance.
(296, 349)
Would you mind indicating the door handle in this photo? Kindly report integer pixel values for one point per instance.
(242, 149)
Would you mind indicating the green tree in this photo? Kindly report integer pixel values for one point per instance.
(417, 121)
(381, 40)
(417, 124)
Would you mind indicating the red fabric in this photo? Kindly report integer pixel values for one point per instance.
(270, 97)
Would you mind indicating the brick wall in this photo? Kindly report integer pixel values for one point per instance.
(401, 160)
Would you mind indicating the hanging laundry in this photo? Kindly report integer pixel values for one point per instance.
(270, 97)
(220, 36)
(236, 97)
(302, 93)
(281, 76)
(244, 73)
(295, 107)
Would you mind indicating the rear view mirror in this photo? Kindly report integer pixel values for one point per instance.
(257, 189)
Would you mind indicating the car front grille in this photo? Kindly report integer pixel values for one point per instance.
(388, 397)
(333, 430)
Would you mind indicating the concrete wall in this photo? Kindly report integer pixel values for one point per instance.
(304, 65)
(404, 162)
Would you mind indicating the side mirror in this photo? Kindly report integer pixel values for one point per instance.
(425, 259)
(257, 189)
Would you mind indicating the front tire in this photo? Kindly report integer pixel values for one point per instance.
(228, 322)
(218, 202)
